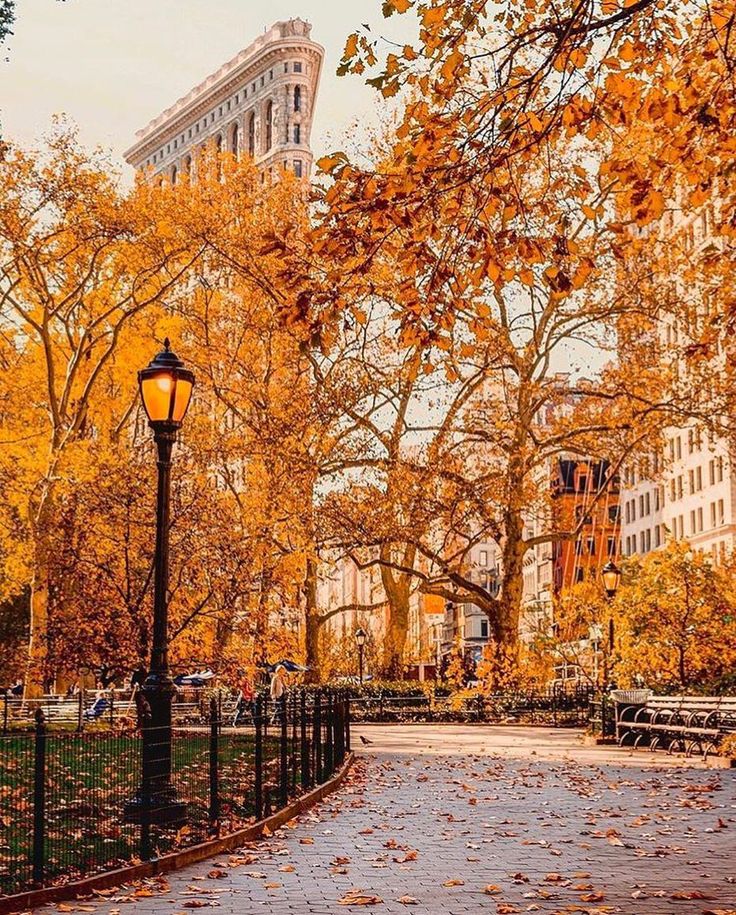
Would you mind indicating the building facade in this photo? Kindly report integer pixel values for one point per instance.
(260, 103)
(685, 490)
(464, 625)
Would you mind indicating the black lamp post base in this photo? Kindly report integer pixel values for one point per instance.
(163, 810)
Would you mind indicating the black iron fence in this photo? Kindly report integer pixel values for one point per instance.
(602, 716)
(556, 708)
(72, 804)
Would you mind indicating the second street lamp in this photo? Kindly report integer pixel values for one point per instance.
(360, 637)
(611, 575)
(166, 389)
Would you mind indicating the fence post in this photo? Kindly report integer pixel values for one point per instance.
(330, 735)
(258, 752)
(39, 798)
(339, 729)
(283, 752)
(214, 767)
(112, 708)
(347, 721)
(304, 743)
(80, 710)
(5, 713)
(317, 726)
(292, 748)
(144, 715)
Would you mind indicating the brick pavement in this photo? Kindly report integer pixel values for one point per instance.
(546, 835)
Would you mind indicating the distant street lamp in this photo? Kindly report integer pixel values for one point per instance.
(166, 390)
(360, 637)
(611, 575)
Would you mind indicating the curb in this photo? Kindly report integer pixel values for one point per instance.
(22, 902)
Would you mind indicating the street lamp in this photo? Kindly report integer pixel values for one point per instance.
(611, 575)
(166, 390)
(360, 637)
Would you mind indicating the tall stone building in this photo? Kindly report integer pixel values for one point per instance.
(261, 102)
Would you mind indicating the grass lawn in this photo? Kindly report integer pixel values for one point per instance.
(89, 778)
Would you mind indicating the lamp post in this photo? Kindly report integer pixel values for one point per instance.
(360, 637)
(595, 636)
(611, 575)
(166, 390)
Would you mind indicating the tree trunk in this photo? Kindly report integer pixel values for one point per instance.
(311, 623)
(36, 670)
(505, 626)
(397, 588)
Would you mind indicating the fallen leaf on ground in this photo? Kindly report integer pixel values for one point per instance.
(453, 882)
(491, 889)
(408, 900)
(358, 897)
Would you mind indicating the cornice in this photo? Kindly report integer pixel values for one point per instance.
(182, 113)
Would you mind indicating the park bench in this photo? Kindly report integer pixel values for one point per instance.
(677, 722)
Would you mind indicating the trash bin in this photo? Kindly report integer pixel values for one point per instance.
(631, 699)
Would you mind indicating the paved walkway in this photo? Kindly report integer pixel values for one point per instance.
(457, 820)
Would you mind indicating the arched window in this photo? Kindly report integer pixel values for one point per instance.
(297, 98)
(188, 165)
(234, 140)
(218, 143)
(173, 175)
(269, 125)
(252, 134)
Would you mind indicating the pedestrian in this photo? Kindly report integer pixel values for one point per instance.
(245, 696)
(278, 685)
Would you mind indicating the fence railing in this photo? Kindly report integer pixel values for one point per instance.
(557, 708)
(72, 804)
(108, 708)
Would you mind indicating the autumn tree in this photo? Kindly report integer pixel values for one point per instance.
(676, 626)
(80, 266)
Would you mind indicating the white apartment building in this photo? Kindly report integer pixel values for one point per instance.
(688, 491)
(261, 102)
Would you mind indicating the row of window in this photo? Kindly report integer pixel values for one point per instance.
(647, 467)
(645, 541)
(612, 512)
(223, 110)
(587, 546)
(677, 490)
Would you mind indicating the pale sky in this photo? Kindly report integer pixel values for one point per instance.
(112, 65)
